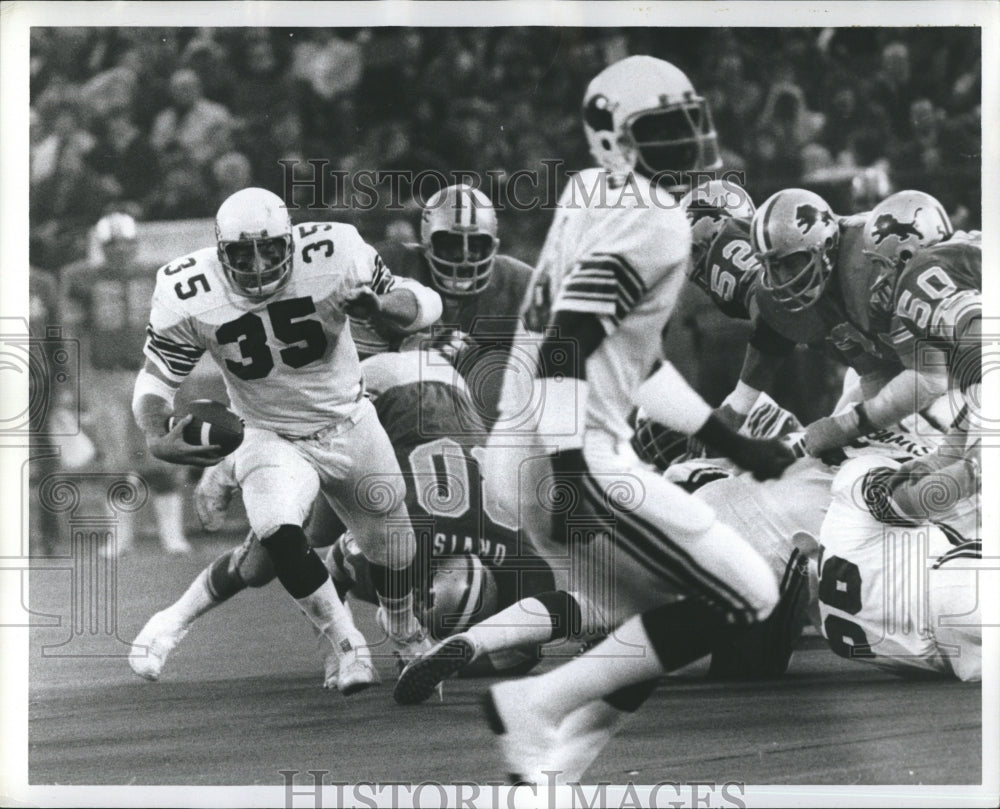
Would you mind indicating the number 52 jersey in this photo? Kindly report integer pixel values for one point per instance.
(289, 363)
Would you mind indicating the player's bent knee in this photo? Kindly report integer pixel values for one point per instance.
(253, 563)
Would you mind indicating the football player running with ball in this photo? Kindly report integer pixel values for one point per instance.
(271, 304)
(612, 265)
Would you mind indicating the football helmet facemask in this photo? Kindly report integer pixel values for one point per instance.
(795, 235)
(707, 207)
(657, 444)
(458, 231)
(254, 236)
(642, 114)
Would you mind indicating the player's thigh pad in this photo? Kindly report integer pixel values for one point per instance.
(362, 481)
(955, 614)
(279, 482)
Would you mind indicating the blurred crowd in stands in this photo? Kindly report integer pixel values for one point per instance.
(165, 123)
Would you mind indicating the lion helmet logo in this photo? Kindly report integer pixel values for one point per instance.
(887, 225)
(808, 215)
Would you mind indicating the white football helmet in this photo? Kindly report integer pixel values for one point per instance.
(116, 238)
(708, 206)
(458, 231)
(254, 236)
(642, 114)
(895, 229)
(795, 234)
(901, 224)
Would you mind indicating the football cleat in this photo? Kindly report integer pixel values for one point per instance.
(355, 672)
(405, 647)
(213, 494)
(421, 677)
(527, 745)
(154, 643)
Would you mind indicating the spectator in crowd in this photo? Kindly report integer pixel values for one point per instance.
(124, 158)
(894, 90)
(201, 129)
(231, 173)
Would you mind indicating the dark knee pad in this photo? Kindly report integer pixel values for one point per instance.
(296, 565)
(764, 649)
(684, 631)
(564, 610)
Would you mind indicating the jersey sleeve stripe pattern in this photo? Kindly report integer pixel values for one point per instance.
(381, 277)
(972, 549)
(605, 284)
(176, 359)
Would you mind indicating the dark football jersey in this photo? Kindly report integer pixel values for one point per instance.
(491, 319)
(439, 442)
(841, 318)
(935, 299)
(729, 270)
(115, 304)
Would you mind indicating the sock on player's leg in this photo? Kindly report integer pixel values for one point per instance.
(394, 588)
(641, 649)
(306, 579)
(537, 619)
(169, 508)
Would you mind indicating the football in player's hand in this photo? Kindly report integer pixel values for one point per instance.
(212, 423)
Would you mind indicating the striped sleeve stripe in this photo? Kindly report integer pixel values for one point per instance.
(178, 359)
(605, 283)
(967, 550)
(381, 277)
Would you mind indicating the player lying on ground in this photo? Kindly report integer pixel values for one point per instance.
(270, 303)
(897, 590)
(437, 438)
(780, 518)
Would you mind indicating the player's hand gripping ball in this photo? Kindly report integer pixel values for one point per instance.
(212, 423)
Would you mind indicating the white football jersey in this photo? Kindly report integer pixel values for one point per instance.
(289, 362)
(620, 253)
(876, 582)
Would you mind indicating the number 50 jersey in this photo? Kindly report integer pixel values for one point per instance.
(289, 363)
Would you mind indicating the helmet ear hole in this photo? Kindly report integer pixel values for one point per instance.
(606, 143)
(905, 255)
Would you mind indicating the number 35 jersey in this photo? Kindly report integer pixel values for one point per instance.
(289, 361)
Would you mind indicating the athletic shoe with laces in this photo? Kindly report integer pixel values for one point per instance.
(153, 645)
(356, 671)
(405, 647)
(421, 677)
